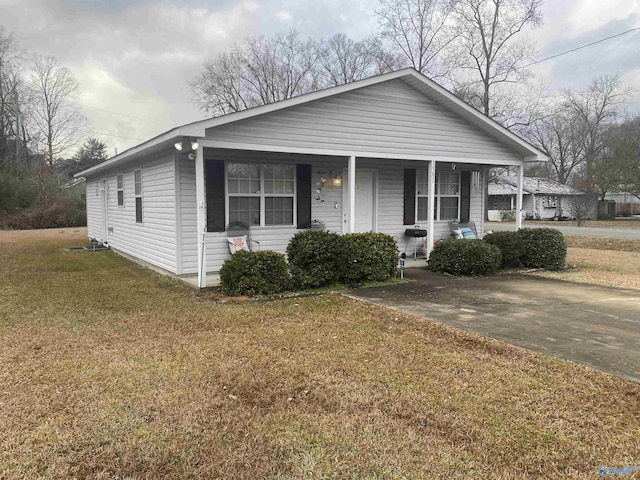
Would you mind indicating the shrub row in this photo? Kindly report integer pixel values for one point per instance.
(465, 257)
(316, 258)
(528, 247)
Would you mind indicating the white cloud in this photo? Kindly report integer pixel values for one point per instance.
(588, 15)
(284, 16)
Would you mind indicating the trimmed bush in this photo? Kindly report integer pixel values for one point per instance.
(368, 257)
(510, 245)
(465, 257)
(543, 248)
(315, 258)
(255, 273)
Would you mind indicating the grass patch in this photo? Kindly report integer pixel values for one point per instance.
(630, 223)
(599, 243)
(110, 371)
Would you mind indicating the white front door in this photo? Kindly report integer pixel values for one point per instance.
(365, 201)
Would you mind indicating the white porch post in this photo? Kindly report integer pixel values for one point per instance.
(431, 200)
(519, 198)
(352, 194)
(201, 217)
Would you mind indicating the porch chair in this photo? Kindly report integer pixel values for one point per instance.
(466, 229)
(239, 237)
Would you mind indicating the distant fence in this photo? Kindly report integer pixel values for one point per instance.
(627, 209)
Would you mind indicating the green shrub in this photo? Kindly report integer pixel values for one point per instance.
(543, 248)
(368, 256)
(465, 257)
(510, 245)
(255, 273)
(315, 258)
(507, 215)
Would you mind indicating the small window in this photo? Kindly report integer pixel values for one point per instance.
(138, 194)
(120, 189)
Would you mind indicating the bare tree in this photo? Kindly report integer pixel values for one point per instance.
(595, 108)
(559, 136)
(10, 90)
(343, 60)
(617, 167)
(262, 70)
(53, 112)
(422, 31)
(492, 47)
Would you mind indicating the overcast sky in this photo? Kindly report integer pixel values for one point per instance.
(133, 58)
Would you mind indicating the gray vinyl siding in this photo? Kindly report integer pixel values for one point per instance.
(153, 240)
(387, 118)
(327, 206)
(95, 221)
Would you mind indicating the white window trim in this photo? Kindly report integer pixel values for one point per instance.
(262, 195)
(120, 189)
(138, 195)
(437, 196)
(422, 195)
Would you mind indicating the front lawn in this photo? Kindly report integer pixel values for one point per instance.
(610, 262)
(110, 371)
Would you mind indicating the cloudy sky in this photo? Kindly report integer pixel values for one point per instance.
(133, 58)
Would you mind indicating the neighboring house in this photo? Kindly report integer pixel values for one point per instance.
(627, 204)
(543, 198)
(357, 157)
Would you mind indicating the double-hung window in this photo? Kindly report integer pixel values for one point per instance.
(261, 195)
(447, 195)
(137, 177)
(422, 192)
(120, 189)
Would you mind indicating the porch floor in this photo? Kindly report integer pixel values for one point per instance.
(213, 279)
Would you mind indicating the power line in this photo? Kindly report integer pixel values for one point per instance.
(114, 113)
(118, 136)
(580, 47)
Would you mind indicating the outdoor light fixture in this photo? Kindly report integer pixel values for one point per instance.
(180, 145)
(336, 181)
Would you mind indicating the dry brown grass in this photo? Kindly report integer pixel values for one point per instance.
(600, 243)
(631, 223)
(110, 371)
(607, 262)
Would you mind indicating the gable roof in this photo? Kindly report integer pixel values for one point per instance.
(421, 83)
(507, 185)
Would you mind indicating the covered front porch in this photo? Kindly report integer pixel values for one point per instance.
(279, 193)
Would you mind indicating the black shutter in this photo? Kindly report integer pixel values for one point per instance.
(303, 197)
(465, 195)
(409, 196)
(214, 172)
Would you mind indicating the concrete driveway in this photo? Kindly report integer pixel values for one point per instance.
(595, 326)
(628, 233)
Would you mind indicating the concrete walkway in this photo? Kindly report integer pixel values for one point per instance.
(587, 324)
(627, 233)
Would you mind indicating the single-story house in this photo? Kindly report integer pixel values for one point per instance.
(377, 154)
(543, 198)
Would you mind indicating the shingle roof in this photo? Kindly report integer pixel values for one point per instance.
(506, 185)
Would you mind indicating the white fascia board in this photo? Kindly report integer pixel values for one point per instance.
(357, 154)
